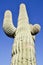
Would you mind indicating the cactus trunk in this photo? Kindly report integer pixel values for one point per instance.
(23, 50)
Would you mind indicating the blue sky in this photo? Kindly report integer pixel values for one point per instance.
(35, 13)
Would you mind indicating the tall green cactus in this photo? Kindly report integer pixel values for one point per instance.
(23, 49)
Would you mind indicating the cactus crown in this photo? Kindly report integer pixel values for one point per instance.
(10, 29)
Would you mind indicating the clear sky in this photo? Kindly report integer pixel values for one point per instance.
(35, 13)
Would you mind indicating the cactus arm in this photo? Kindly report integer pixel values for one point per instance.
(8, 26)
(35, 29)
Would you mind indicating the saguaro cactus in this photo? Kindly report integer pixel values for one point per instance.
(23, 49)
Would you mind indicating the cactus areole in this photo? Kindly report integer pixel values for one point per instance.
(23, 49)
